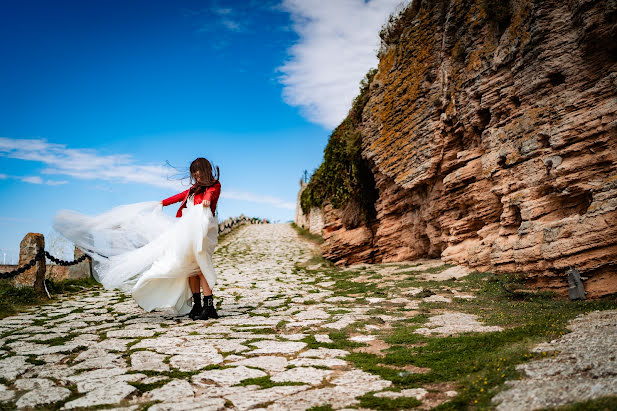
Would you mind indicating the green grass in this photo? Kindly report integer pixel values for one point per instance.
(600, 404)
(71, 286)
(438, 269)
(478, 363)
(266, 382)
(33, 360)
(14, 299)
(375, 403)
(304, 233)
(148, 387)
(321, 408)
(56, 341)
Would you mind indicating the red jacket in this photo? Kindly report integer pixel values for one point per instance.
(211, 194)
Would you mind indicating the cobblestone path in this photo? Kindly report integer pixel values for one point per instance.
(294, 334)
(100, 348)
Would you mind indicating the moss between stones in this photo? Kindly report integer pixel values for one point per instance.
(321, 408)
(476, 364)
(266, 382)
(600, 404)
(403, 403)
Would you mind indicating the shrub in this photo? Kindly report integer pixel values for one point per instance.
(344, 177)
(391, 31)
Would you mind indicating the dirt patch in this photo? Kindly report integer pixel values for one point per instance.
(374, 347)
(448, 274)
(438, 394)
(408, 367)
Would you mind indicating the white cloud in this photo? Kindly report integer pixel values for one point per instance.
(231, 25)
(88, 164)
(83, 163)
(258, 199)
(56, 183)
(32, 180)
(337, 46)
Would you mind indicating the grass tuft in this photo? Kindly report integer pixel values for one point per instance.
(266, 382)
(303, 232)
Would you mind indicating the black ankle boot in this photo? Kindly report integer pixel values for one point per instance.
(197, 309)
(208, 310)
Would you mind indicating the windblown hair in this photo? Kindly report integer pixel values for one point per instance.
(207, 178)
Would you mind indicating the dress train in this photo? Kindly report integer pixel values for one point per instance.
(139, 249)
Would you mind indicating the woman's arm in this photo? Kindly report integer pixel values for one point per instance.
(212, 193)
(174, 199)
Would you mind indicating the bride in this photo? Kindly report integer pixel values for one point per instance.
(160, 260)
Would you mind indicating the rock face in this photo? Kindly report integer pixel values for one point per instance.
(80, 270)
(28, 248)
(493, 142)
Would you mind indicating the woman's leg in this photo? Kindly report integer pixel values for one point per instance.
(194, 286)
(204, 284)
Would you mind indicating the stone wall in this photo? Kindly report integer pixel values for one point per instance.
(314, 220)
(493, 144)
(231, 223)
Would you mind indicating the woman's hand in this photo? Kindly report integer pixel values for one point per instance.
(206, 203)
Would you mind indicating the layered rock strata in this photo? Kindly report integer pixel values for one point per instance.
(494, 144)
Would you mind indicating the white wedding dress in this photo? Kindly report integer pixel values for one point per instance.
(139, 249)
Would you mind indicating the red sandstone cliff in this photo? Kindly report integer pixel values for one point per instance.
(493, 144)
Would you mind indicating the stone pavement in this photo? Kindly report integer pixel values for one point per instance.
(99, 348)
(582, 366)
(271, 349)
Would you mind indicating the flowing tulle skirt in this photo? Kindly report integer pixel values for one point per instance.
(139, 249)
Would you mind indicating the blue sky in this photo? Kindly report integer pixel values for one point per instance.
(98, 95)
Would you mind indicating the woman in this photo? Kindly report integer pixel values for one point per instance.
(205, 190)
(161, 261)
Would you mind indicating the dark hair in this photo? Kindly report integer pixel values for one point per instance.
(207, 178)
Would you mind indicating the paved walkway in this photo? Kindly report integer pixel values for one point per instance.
(272, 348)
(99, 348)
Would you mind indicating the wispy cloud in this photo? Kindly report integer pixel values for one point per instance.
(86, 164)
(231, 25)
(337, 46)
(32, 180)
(253, 198)
(223, 11)
(56, 183)
(219, 18)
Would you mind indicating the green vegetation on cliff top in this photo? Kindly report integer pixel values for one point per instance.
(344, 178)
